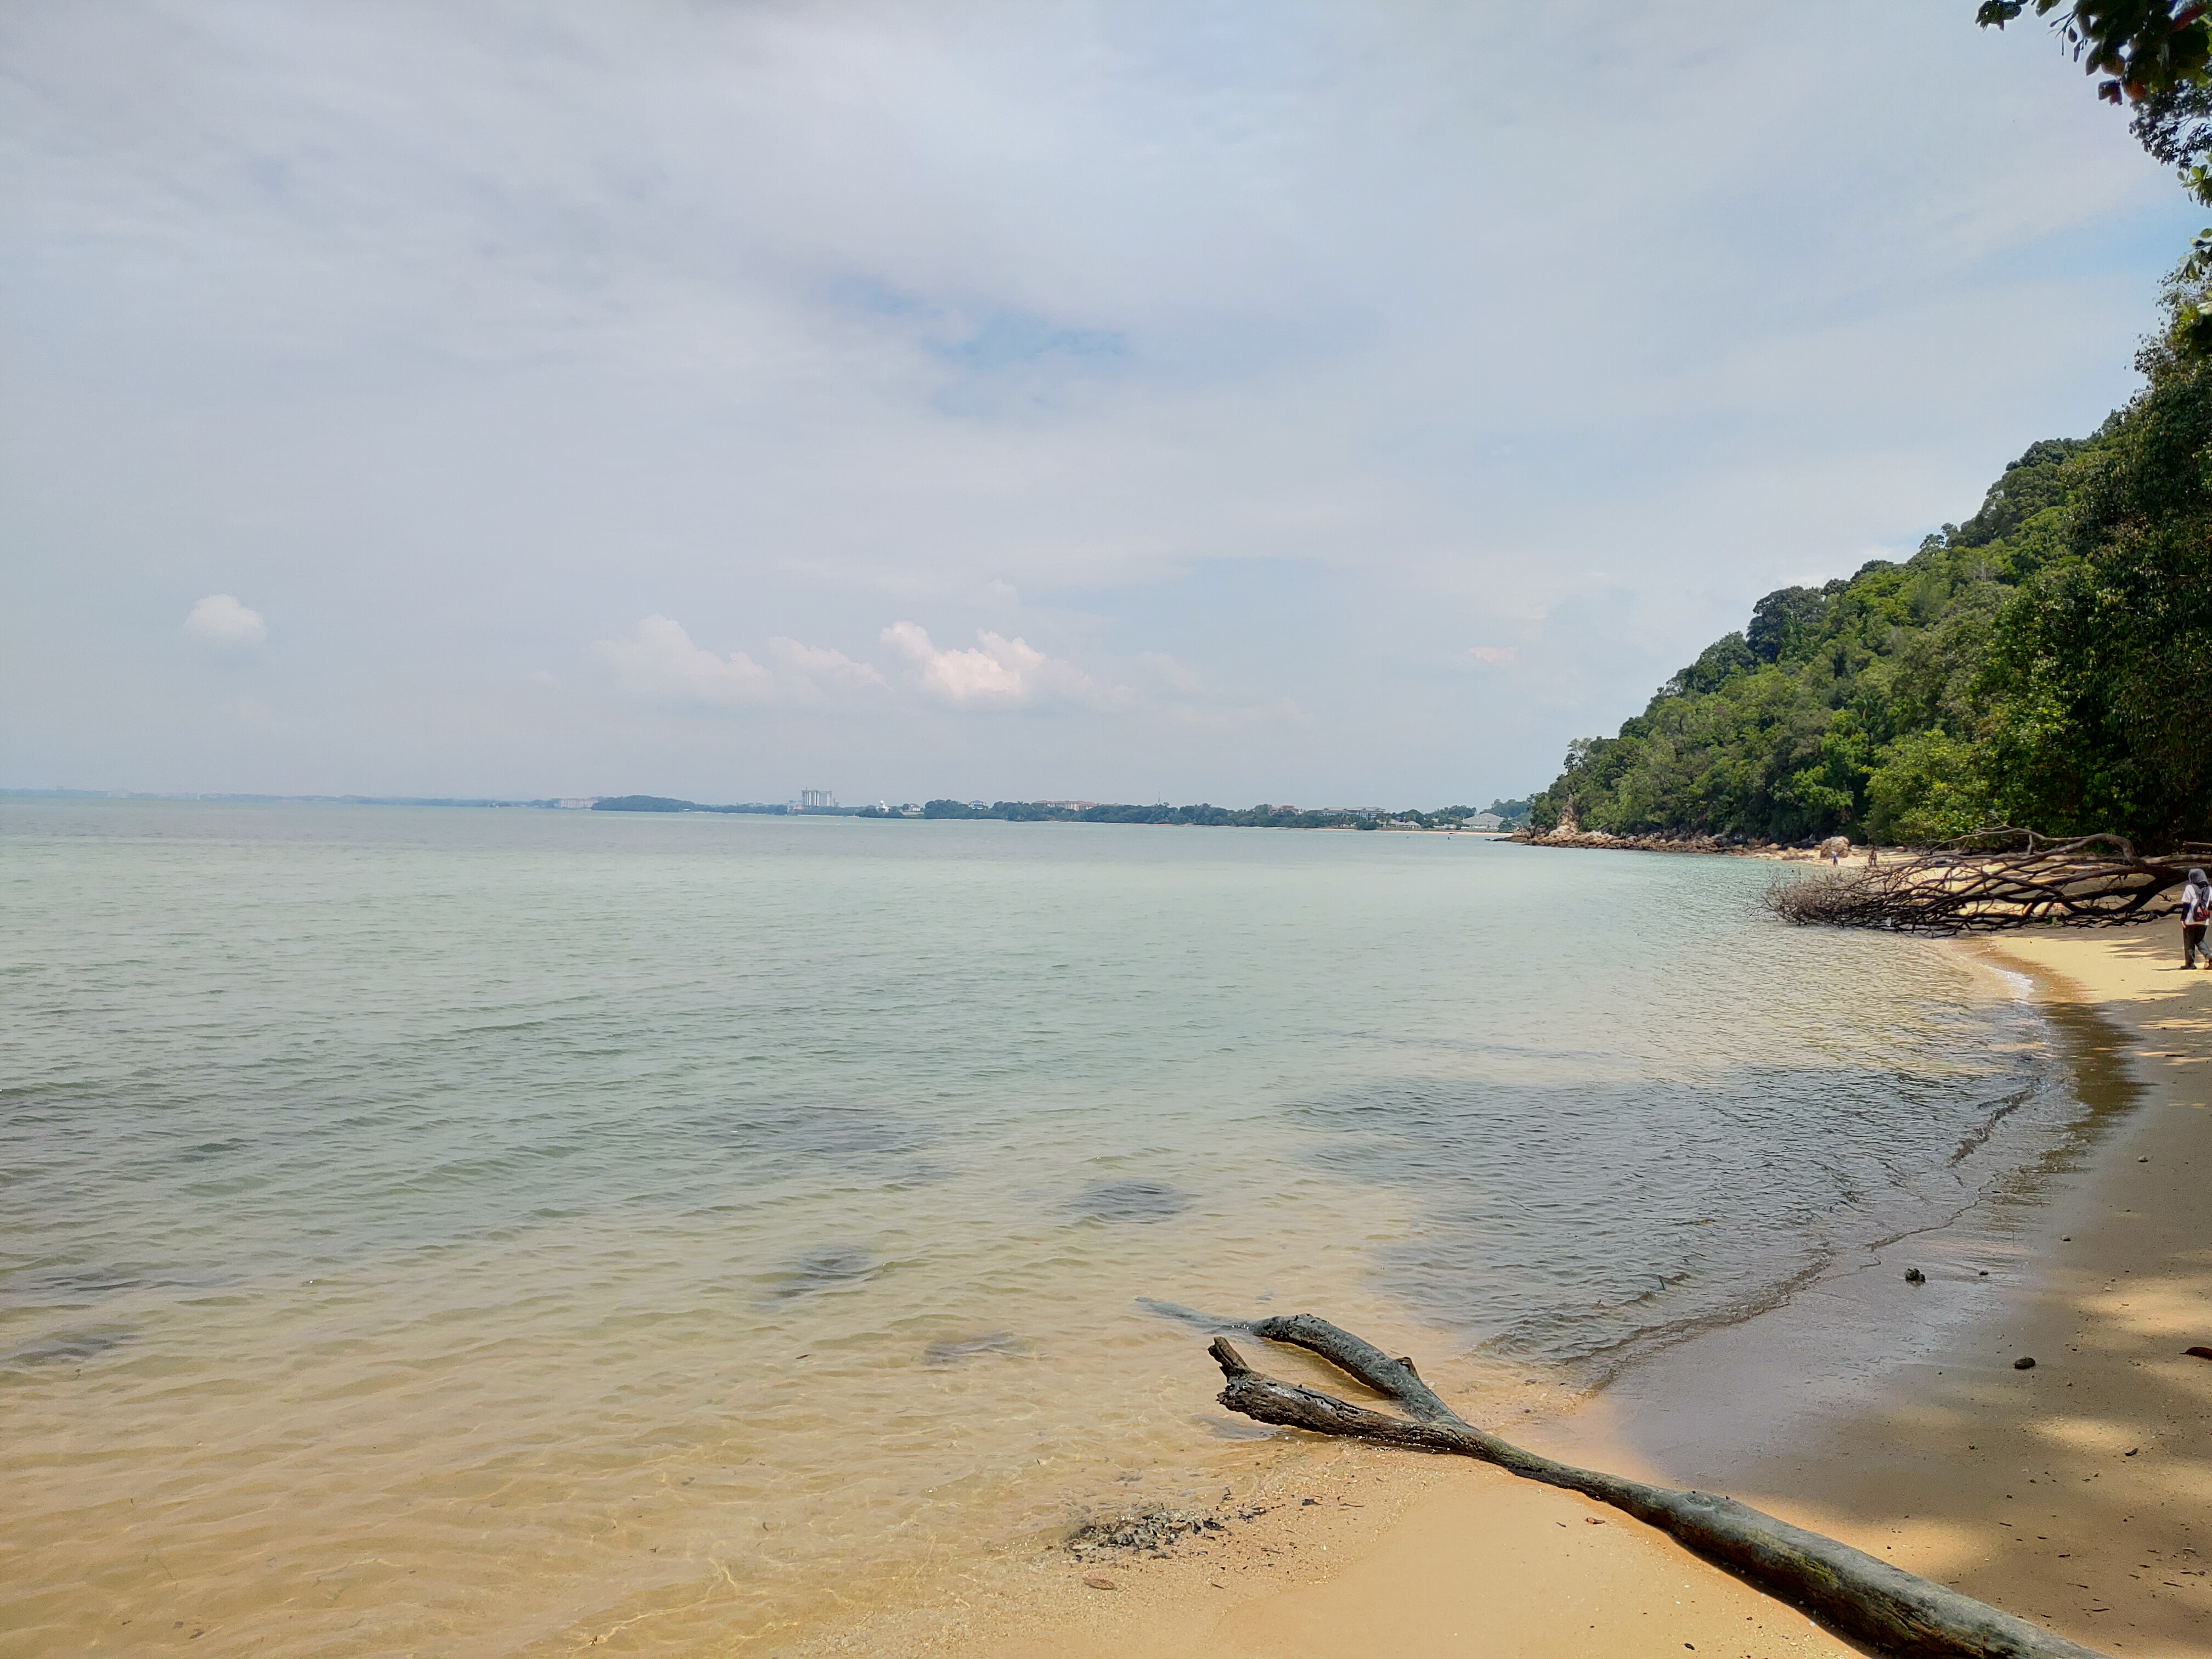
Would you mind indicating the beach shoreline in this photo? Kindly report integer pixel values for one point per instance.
(2077, 1492)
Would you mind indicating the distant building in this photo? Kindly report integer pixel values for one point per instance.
(576, 803)
(1483, 821)
(809, 798)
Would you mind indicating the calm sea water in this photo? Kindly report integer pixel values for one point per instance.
(480, 1231)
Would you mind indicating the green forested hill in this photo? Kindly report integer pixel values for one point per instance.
(2048, 662)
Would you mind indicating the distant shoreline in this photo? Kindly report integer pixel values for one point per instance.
(1449, 820)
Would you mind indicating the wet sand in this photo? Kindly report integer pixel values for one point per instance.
(2077, 1492)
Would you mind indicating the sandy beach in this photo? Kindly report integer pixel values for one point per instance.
(2077, 1492)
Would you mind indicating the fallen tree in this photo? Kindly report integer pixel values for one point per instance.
(1993, 879)
(1870, 1601)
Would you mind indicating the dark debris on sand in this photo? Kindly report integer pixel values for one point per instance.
(1153, 1529)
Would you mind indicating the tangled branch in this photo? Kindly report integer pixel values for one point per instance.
(1992, 879)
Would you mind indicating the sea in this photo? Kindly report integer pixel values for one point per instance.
(495, 1231)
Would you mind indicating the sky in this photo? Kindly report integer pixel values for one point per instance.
(1330, 404)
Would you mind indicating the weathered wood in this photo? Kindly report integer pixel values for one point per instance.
(1884, 1608)
(1992, 879)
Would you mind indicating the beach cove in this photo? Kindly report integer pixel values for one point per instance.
(501, 1233)
(2076, 1493)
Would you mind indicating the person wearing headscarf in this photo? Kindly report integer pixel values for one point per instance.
(2195, 911)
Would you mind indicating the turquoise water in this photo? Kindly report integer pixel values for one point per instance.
(479, 1230)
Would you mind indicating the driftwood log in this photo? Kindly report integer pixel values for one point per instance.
(1882, 1606)
(1992, 879)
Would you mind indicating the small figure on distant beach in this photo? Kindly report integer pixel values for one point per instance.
(2195, 911)
(1874, 857)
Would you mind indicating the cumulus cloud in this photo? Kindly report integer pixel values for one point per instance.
(1497, 656)
(997, 674)
(657, 660)
(220, 620)
(814, 673)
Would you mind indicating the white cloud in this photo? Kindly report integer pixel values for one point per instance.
(1000, 673)
(1292, 341)
(814, 673)
(1497, 656)
(221, 620)
(657, 660)
(1175, 675)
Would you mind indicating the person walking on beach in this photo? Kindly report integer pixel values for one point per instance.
(2195, 911)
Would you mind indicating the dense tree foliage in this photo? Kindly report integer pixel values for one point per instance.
(2047, 663)
(2100, 678)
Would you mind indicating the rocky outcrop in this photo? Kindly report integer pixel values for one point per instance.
(1565, 836)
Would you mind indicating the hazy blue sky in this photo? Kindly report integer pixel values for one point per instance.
(1322, 403)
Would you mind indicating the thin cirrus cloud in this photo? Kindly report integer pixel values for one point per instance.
(219, 620)
(657, 661)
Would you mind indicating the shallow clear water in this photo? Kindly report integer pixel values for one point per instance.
(479, 1231)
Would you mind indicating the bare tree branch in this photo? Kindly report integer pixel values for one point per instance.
(1870, 1601)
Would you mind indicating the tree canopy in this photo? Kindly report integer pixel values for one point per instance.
(2047, 663)
(2143, 47)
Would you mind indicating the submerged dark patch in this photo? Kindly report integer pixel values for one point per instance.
(822, 1269)
(1131, 1201)
(67, 1285)
(953, 1350)
(67, 1347)
(1575, 1222)
(774, 1141)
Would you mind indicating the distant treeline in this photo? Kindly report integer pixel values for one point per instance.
(2048, 662)
(273, 800)
(1262, 817)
